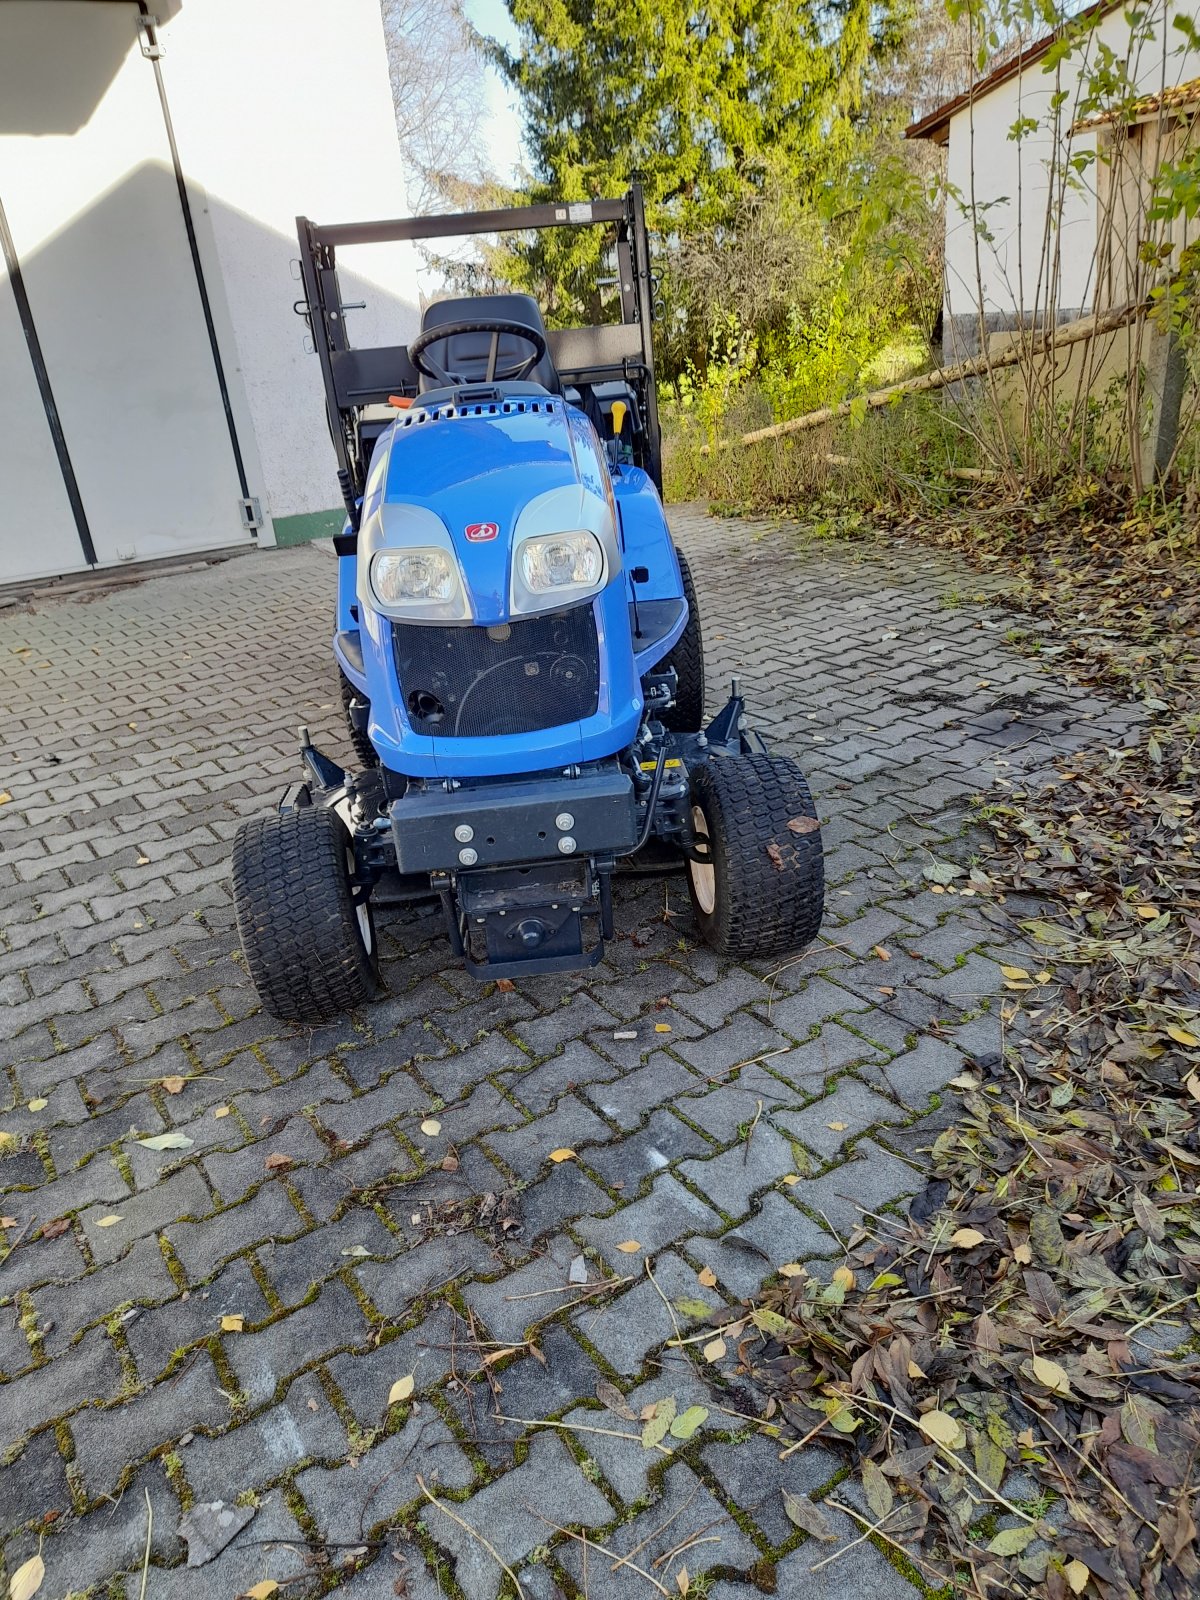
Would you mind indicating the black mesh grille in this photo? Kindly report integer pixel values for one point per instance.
(514, 677)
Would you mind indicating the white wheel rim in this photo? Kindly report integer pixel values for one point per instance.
(361, 910)
(703, 874)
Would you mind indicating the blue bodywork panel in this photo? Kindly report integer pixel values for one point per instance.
(487, 469)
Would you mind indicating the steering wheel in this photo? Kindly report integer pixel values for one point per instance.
(514, 371)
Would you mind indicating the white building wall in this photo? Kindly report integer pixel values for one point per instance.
(1024, 264)
(283, 108)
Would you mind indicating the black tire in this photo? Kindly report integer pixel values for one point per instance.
(300, 930)
(687, 714)
(363, 748)
(765, 893)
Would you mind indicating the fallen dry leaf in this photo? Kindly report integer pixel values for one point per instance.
(883, 953)
(613, 1400)
(942, 1428)
(55, 1227)
(1076, 1575)
(261, 1590)
(8, 1222)
(27, 1579)
(662, 1027)
(108, 1222)
(1051, 1374)
(505, 985)
(174, 1084)
(402, 1389)
(803, 825)
(232, 1324)
(810, 1518)
(966, 1238)
(707, 1277)
(629, 1247)
(564, 1154)
(430, 1126)
(276, 1161)
(775, 856)
(167, 1141)
(38, 1105)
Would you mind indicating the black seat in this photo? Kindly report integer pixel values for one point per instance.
(466, 354)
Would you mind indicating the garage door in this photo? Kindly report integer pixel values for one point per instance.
(97, 236)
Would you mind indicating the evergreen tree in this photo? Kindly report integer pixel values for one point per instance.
(701, 99)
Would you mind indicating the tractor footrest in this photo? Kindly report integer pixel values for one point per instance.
(503, 824)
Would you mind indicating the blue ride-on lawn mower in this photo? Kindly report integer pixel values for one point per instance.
(520, 656)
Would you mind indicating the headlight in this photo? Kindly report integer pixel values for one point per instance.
(555, 562)
(413, 575)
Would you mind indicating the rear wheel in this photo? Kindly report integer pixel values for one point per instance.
(763, 891)
(363, 748)
(687, 714)
(309, 947)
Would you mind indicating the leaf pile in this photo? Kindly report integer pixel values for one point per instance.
(987, 1362)
(1120, 591)
(1014, 1366)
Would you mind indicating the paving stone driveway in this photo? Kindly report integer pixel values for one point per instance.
(308, 1205)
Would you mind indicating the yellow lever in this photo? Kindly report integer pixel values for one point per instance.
(619, 408)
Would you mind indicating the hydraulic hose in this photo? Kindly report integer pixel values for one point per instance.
(655, 786)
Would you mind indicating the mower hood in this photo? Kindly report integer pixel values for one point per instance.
(471, 483)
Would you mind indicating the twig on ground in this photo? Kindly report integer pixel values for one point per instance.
(149, 1532)
(475, 1534)
(604, 1551)
(665, 1301)
(568, 1288)
(750, 1134)
(800, 1443)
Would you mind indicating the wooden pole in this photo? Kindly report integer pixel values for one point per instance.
(1040, 344)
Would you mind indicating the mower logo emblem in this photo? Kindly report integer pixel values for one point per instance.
(477, 532)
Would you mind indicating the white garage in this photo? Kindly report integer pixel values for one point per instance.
(158, 395)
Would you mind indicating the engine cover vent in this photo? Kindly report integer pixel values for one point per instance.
(416, 415)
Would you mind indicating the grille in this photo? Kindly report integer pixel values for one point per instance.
(514, 677)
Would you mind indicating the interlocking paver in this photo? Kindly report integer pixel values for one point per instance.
(549, 1481)
(684, 1511)
(119, 968)
(754, 1478)
(664, 1215)
(627, 1328)
(626, 1464)
(263, 1360)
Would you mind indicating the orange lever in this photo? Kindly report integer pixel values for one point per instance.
(399, 401)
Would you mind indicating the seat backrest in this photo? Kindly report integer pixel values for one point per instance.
(466, 354)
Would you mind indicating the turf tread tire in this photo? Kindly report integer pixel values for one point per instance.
(687, 657)
(295, 917)
(762, 908)
(363, 748)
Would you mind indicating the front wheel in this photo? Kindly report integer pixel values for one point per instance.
(762, 892)
(309, 945)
